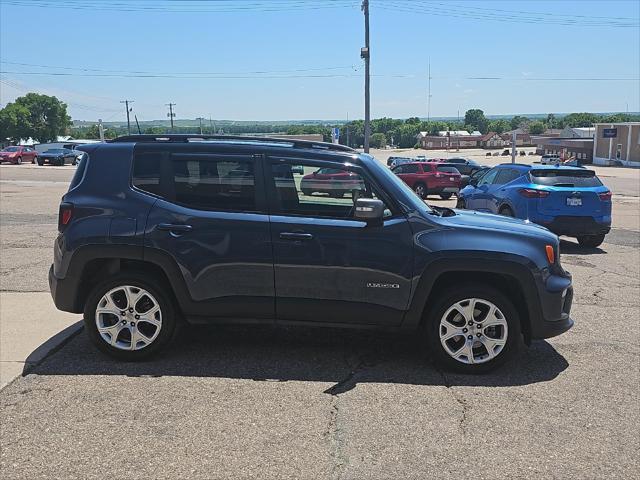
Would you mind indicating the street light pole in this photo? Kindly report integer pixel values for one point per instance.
(365, 54)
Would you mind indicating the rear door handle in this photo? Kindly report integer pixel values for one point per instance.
(175, 229)
(295, 236)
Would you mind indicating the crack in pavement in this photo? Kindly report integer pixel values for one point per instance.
(462, 423)
(336, 432)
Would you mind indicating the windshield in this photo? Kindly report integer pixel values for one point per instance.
(565, 178)
(390, 177)
(11, 149)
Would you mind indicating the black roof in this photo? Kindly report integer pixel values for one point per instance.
(186, 138)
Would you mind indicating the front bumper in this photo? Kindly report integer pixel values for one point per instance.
(556, 297)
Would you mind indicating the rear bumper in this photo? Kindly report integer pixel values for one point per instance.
(575, 226)
(63, 292)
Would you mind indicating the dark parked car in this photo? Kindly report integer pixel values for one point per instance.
(154, 232)
(474, 177)
(58, 156)
(464, 165)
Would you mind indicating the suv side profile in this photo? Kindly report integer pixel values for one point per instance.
(156, 231)
(429, 177)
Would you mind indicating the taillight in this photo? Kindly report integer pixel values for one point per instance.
(605, 197)
(64, 215)
(532, 193)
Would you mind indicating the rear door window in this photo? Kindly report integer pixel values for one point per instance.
(212, 183)
(146, 172)
(565, 178)
(411, 168)
(505, 176)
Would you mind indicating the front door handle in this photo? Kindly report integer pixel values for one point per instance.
(175, 229)
(295, 236)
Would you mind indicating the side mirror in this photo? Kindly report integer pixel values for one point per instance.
(473, 181)
(370, 210)
(464, 180)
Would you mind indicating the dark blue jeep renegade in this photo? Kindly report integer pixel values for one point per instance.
(160, 230)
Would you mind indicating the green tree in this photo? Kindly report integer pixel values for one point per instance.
(378, 140)
(519, 122)
(475, 118)
(499, 126)
(46, 118)
(537, 127)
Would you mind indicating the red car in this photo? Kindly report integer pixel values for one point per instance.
(332, 181)
(430, 178)
(18, 154)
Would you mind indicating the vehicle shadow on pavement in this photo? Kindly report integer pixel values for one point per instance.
(573, 248)
(342, 357)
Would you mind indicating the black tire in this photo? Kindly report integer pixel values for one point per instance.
(445, 196)
(40, 162)
(74, 162)
(336, 193)
(460, 203)
(459, 293)
(421, 190)
(19, 161)
(307, 192)
(507, 212)
(591, 241)
(164, 298)
(35, 160)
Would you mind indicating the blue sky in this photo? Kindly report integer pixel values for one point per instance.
(312, 48)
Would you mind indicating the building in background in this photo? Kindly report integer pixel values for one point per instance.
(617, 144)
(523, 138)
(578, 132)
(579, 148)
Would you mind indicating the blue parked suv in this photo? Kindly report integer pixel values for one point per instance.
(568, 201)
(159, 231)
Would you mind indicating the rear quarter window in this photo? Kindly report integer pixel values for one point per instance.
(78, 176)
(146, 172)
(442, 168)
(565, 178)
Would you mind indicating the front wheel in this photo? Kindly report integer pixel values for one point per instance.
(35, 160)
(40, 162)
(473, 329)
(130, 317)
(460, 203)
(590, 241)
(19, 161)
(445, 196)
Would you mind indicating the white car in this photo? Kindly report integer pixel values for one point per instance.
(550, 159)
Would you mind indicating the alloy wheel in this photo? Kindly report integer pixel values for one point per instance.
(473, 331)
(128, 318)
(421, 191)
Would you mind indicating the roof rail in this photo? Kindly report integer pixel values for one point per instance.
(187, 137)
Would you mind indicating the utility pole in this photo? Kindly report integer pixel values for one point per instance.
(347, 128)
(211, 126)
(171, 114)
(366, 55)
(429, 93)
(200, 119)
(126, 105)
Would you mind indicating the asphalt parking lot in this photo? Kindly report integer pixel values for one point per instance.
(243, 402)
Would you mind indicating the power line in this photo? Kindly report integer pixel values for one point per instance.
(141, 72)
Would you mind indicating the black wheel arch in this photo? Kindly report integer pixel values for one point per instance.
(513, 276)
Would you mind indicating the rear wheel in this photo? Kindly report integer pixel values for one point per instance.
(473, 329)
(421, 190)
(35, 160)
(130, 317)
(445, 196)
(591, 241)
(460, 203)
(19, 161)
(507, 212)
